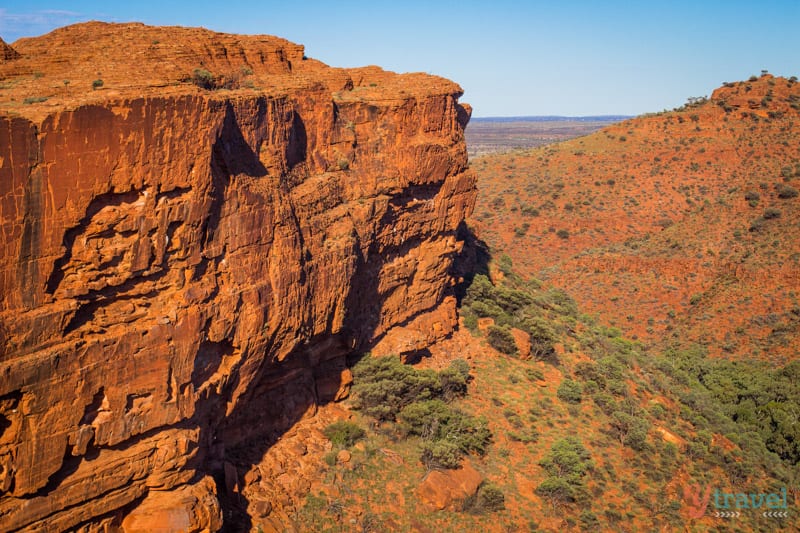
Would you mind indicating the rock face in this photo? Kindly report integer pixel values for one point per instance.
(184, 266)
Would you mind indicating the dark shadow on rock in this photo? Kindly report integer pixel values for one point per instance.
(283, 392)
(473, 260)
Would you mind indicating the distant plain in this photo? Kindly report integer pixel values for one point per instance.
(488, 135)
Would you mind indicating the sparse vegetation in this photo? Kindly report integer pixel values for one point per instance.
(388, 390)
(501, 339)
(203, 78)
(570, 391)
(34, 100)
(786, 191)
(343, 434)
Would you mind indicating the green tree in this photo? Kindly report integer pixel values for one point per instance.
(501, 339)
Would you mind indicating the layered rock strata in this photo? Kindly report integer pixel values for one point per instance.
(195, 230)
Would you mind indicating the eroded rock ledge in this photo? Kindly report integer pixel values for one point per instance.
(183, 270)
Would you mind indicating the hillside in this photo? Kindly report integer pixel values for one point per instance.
(678, 227)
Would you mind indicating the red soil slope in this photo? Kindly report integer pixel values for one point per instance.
(678, 227)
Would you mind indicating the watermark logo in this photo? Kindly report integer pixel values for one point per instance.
(731, 504)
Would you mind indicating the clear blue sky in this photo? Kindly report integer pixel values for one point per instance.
(512, 58)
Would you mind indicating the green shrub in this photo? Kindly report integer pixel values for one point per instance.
(470, 319)
(453, 379)
(588, 371)
(658, 411)
(786, 191)
(752, 198)
(343, 434)
(570, 391)
(757, 225)
(434, 420)
(96, 84)
(567, 459)
(534, 374)
(384, 385)
(557, 490)
(589, 520)
(542, 337)
(203, 78)
(440, 454)
(501, 339)
(34, 100)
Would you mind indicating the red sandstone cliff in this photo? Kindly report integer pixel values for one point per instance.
(183, 270)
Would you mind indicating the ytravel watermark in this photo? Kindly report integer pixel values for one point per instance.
(731, 504)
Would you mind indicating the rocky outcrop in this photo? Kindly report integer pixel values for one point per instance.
(6, 52)
(189, 250)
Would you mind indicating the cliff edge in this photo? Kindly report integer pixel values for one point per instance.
(195, 230)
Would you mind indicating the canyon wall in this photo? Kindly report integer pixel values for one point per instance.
(185, 266)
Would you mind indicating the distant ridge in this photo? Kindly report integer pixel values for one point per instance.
(554, 118)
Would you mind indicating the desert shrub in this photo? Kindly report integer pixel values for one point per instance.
(388, 390)
(343, 434)
(752, 198)
(559, 301)
(96, 84)
(453, 379)
(488, 498)
(567, 464)
(501, 339)
(563, 233)
(557, 490)
(567, 459)
(434, 420)
(448, 434)
(384, 385)
(203, 78)
(570, 391)
(330, 458)
(485, 309)
(440, 454)
(588, 371)
(470, 319)
(658, 411)
(745, 400)
(525, 436)
(505, 264)
(771, 213)
(786, 191)
(34, 100)
(542, 336)
(589, 520)
(511, 300)
(534, 374)
(757, 225)
(491, 498)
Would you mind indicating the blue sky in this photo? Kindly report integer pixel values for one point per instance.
(512, 58)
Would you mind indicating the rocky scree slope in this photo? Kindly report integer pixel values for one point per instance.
(195, 229)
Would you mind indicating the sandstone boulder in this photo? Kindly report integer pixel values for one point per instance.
(447, 489)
